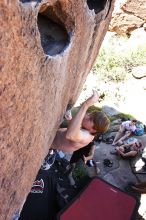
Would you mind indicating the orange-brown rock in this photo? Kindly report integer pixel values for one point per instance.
(128, 15)
(47, 48)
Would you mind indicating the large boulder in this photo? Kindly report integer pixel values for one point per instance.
(128, 15)
(47, 49)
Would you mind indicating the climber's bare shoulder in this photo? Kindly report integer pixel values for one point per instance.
(61, 142)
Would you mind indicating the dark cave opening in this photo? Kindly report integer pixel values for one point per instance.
(97, 5)
(28, 1)
(54, 36)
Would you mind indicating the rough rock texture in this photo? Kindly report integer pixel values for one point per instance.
(128, 15)
(47, 49)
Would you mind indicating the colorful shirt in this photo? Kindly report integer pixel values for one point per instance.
(128, 127)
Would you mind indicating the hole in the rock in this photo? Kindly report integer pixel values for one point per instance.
(28, 1)
(97, 5)
(54, 36)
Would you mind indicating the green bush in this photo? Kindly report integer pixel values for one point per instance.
(79, 171)
(122, 116)
(115, 62)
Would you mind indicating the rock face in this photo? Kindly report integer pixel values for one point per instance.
(47, 49)
(128, 15)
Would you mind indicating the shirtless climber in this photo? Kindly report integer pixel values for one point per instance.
(82, 128)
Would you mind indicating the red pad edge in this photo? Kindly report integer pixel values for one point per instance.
(100, 201)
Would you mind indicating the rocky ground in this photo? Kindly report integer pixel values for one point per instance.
(120, 174)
